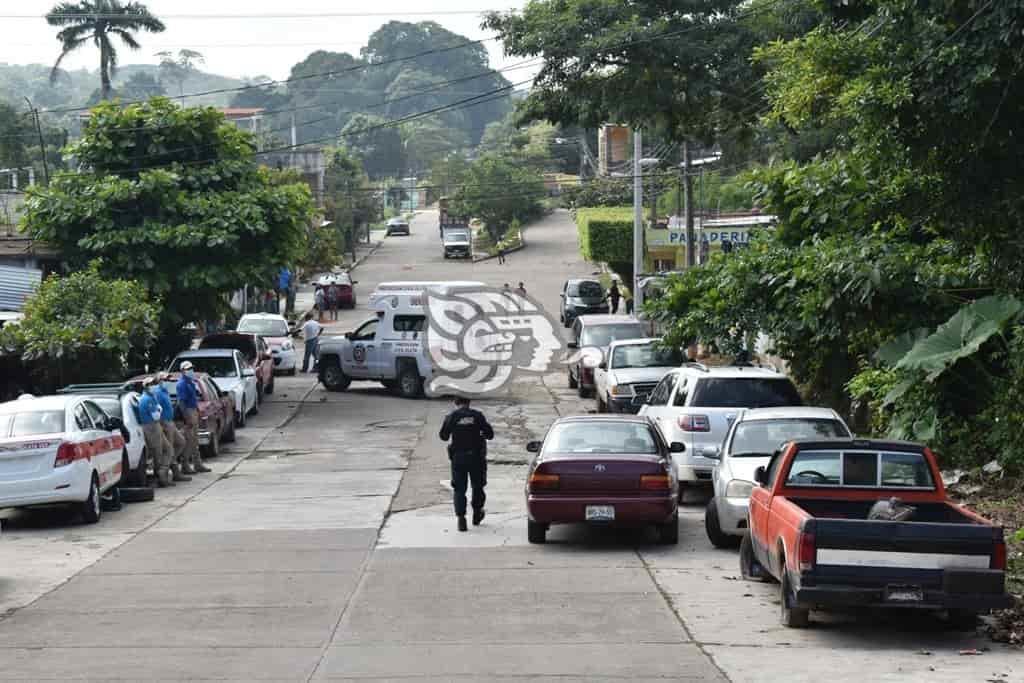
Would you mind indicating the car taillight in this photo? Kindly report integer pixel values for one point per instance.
(806, 550)
(541, 482)
(655, 482)
(998, 560)
(67, 453)
(694, 423)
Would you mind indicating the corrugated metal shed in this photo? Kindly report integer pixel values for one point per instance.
(16, 285)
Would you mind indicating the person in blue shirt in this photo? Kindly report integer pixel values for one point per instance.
(150, 412)
(284, 283)
(175, 440)
(188, 401)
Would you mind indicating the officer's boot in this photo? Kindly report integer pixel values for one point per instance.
(462, 523)
(163, 477)
(478, 516)
(177, 472)
(199, 467)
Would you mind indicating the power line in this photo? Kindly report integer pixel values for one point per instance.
(269, 15)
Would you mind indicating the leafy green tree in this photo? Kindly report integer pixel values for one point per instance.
(140, 86)
(350, 200)
(378, 145)
(85, 326)
(428, 139)
(98, 22)
(498, 191)
(172, 198)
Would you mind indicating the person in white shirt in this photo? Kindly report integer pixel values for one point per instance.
(311, 331)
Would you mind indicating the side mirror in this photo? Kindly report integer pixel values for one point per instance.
(572, 345)
(533, 447)
(677, 447)
(712, 452)
(761, 476)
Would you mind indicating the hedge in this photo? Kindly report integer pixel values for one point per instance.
(606, 234)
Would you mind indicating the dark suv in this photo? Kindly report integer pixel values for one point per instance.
(581, 297)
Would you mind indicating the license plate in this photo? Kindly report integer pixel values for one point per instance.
(600, 513)
(904, 594)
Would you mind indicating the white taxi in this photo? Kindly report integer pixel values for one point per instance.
(58, 449)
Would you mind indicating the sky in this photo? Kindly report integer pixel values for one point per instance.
(250, 45)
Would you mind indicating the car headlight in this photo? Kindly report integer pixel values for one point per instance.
(287, 345)
(739, 488)
(621, 389)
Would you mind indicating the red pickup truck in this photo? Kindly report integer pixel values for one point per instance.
(822, 524)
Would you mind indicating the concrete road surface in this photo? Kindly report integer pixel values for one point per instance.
(323, 547)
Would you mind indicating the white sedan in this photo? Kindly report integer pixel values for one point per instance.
(59, 449)
(229, 371)
(125, 407)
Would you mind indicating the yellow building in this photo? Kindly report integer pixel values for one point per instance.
(666, 245)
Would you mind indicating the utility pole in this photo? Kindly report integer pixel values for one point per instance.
(351, 220)
(638, 218)
(42, 142)
(688, 198)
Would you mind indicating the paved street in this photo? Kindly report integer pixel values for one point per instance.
(323, 547)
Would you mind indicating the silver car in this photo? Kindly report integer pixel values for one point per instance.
(750, 443)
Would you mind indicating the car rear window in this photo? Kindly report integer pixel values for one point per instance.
(742, 392)
(603, 335)
(860, 469)
(586, 289)
(646, 356)
(758, 438)
(245, 344)
(603, 437)
(263, 327)
(30, 423)
(215, 366)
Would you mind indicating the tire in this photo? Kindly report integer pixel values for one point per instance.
(213, 450)
(750, 568)
(668, 533)
(230, 437)
(333, 377)
(137, 476)
(240, 419)
(90, 509)
(125, 469)
(790, 615)
(572, 381)
(134, 494)
(536, 532)
(713, 527)
(410, 384)
(581, 391)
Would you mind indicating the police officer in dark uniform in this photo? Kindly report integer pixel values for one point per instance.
(469, 432)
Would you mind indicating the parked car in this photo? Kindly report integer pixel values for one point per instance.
(696, 405)
(117, 400)
(598, 332)
(397, 226)
(345, 285)
(605, 470)
(581, 296)
(754, 437)
(817, 528)
(275, 331)
(255, 352)
(227, 367)
(216, 410)
(59, 450)
(630, 372)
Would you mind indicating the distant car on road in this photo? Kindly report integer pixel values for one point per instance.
(397, 226)
(227, 367)
(754, 437)
(598, 332)
(614, 470)
(59, 450)
(581, 296)
(276, 332)
(631, 370)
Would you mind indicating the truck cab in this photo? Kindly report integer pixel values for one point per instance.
(457, 242)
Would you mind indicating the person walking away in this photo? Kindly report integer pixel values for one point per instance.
(175, 439)
(311, 331)
(149, 419)
(333, 292)
(319, 303)
(188, 401)
(469, 432)
(613, 297)
(521, 289)
(501, 255)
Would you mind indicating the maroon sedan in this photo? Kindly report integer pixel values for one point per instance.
(607, 469)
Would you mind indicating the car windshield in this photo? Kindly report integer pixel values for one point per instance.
(30, 423)
(645, 356)
(761, 438)
(601, 437)
(742, 392)
(220, 367)
(603, 335)
(589, 290)
(264, 327)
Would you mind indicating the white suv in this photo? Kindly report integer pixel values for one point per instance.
(696, 405)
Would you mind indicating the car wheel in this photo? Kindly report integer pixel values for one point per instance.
(536, 532)
(229, 436)
(572, 380)
(750, 568)
(713, 527)
(137, 494)
(410, 384)
(125, 469)
(668, 533)
(790, 615)
(581, 391)
(240, 419)
(213, 450)
(137, 476)
(333, 377)
(90, 509)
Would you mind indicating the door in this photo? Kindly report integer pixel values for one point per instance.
(365, 360)
(657, 403)
(249, 381)
(108, 445)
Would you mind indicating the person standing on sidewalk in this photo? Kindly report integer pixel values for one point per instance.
(175, 439)
(333, 293)
(311, 331)
(319, 301)
(188, 401)
(469, 431)
(501, 255)
(521, 289)
(284, 281)
(613, 297)
(150, 413)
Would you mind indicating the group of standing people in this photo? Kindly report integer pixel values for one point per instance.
(326, 299)
(614, 296)
(174, 452)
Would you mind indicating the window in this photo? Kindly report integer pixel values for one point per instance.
(264, 327)
(32, 423)
(603, 335)
(366, 332)
(906, 470)
(82, 420)
(861, 469)
(741, 392)
(222, 367)
(683, 393)
(110, 406)
(587, 289)
(608, 437)
(661, 393)
(758, 438)
(815, 468)
(98, 417)
(646, 356)
(664, 265)
(410, 323)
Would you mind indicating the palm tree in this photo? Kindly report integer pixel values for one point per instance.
(99, 20)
